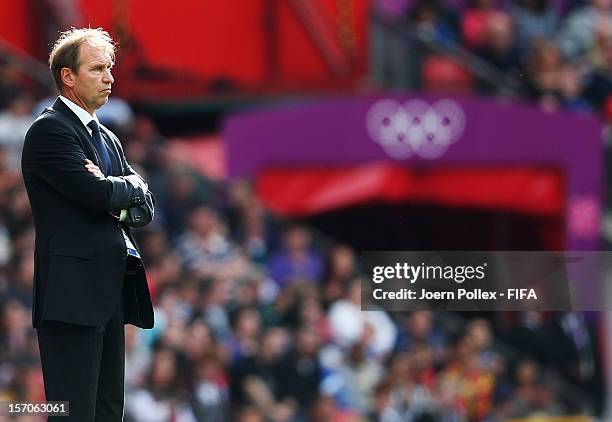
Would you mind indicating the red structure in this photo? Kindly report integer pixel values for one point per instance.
(204, 46)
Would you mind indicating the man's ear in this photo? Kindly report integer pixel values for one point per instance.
(67, 77)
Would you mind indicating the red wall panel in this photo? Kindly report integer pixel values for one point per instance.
(208, 38)
(16, 25)
(212, 38)
(205, 37)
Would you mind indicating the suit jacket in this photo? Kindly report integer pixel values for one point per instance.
(80, 253)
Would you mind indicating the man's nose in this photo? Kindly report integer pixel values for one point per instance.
(108, 77)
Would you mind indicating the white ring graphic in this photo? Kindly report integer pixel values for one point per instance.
(415, 127)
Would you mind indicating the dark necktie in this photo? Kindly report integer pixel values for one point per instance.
(100, 146)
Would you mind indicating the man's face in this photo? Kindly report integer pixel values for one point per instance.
(93, 79)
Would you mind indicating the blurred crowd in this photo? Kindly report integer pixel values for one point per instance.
(259, 319)
(557, 54)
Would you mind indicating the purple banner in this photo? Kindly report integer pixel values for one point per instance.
(428, 130)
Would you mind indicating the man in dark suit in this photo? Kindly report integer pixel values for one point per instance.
(89, 280)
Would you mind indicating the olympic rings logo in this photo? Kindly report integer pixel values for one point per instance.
(415, 127)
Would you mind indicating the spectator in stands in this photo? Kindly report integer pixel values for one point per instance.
(19, 282)
(311, 314)
(249, 222)
(542, 71)
(300, 369)
(182, 195)
(25, 384)
(598, 82)
(409, 398)
(433, 21)
(137, 358)
(189, 293)
(418, 327)
(578, 31)
(504, 386)
(197, 345)
(423, 366)
(6, 253)
(531, 395)
(117, 115)
(249, 414)
(147, 145)
(360, 372)
(170, 318)
(571, 90)
(527, 376)
(214, 301)
(259, 292)
(258, 379)
(254, 235)
(325, 409)
(339, 271)
(244, 341)
(154, 244)
(205, 249)
(160, 400)
(173, 337)
(15, 337)
(475, 21)
(383, 409)
(10, 80)
(15, 121)
(533, 19)
(211, 389)
(499, 47)
(18, 218)
(349, 325)
(480, 338)
(10, 183)
(296, 261)
(163, 263)
(471, 383)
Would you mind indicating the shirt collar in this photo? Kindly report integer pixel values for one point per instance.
(81, 113)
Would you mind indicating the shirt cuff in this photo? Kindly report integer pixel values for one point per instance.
(123, 215)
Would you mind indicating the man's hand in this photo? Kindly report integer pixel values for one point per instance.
(141, 208)
(93, 169)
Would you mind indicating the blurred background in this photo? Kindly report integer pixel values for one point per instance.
(282, 138)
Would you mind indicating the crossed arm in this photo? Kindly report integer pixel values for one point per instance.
(143, 214)
(52, 152)
(134, 216)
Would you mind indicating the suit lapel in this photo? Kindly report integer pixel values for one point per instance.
(112, 152)
(59, 105)
(85, 137)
